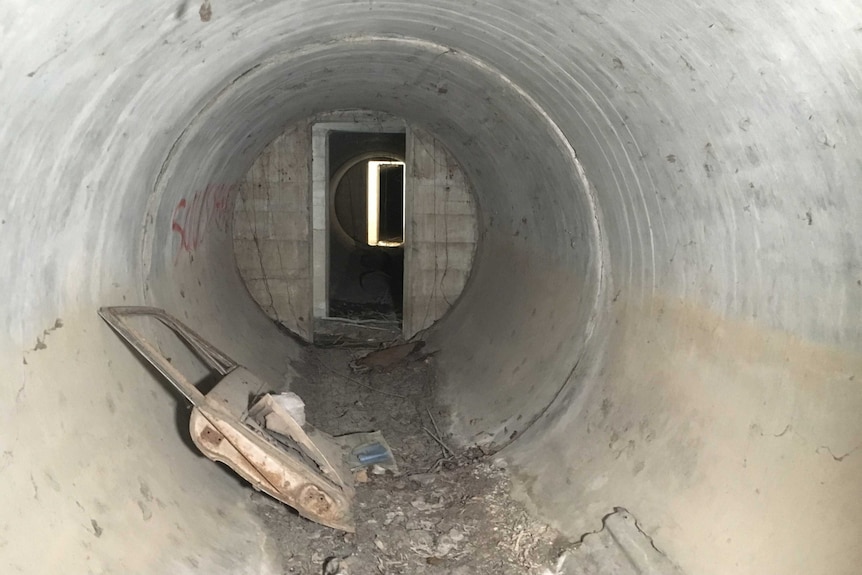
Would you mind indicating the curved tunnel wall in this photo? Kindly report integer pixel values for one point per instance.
(663, 312)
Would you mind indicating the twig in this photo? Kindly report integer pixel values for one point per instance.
(438, 440)
(437, 429)
(434, 423)
(366, 323)
(439, 463)
(357, 382)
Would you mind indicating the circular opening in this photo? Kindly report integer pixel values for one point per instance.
(348, 204)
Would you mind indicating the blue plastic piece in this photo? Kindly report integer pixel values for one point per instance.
(372, 453)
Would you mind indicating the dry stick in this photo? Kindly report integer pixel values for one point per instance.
(434, 423)
(357, 382)
(438, 440)
(366, 323)
(437, 429)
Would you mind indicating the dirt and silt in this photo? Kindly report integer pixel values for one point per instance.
(446, 511)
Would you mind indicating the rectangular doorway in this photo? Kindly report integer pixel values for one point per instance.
(358, 199)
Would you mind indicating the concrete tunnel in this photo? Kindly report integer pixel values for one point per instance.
(663, 314)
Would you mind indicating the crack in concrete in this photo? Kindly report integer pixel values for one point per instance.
(838, 458)
(256, 240)
(644, 533)
(40, 341)
(759, 430)
(35, 487)
(6, 459)
(821, 449)
(604, 527)
(284, 273)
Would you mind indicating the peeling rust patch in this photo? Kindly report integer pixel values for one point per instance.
(316, 500)
(211, 436)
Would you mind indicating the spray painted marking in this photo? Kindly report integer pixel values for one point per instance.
(192, 218)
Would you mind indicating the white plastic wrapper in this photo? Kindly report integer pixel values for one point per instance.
(293, 404)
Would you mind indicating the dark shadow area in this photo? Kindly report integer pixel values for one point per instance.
(366, 282)
(391, 226)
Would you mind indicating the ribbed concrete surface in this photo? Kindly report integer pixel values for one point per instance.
(668, 280)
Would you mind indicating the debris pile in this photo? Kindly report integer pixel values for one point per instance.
(444, 511)
(438, 511)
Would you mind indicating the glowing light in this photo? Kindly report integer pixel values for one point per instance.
(374, 203)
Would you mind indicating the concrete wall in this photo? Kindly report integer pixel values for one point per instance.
(272, 220)
(441, 232)
(271, 231)
(663, 313)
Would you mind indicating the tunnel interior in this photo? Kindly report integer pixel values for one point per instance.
(661, 315)
(494, 147)
(365, 281)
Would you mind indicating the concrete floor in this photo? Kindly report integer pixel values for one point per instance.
(664, 311)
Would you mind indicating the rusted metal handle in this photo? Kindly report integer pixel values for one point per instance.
(214, 358)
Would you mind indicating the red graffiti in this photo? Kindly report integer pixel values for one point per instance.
(191, 219)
